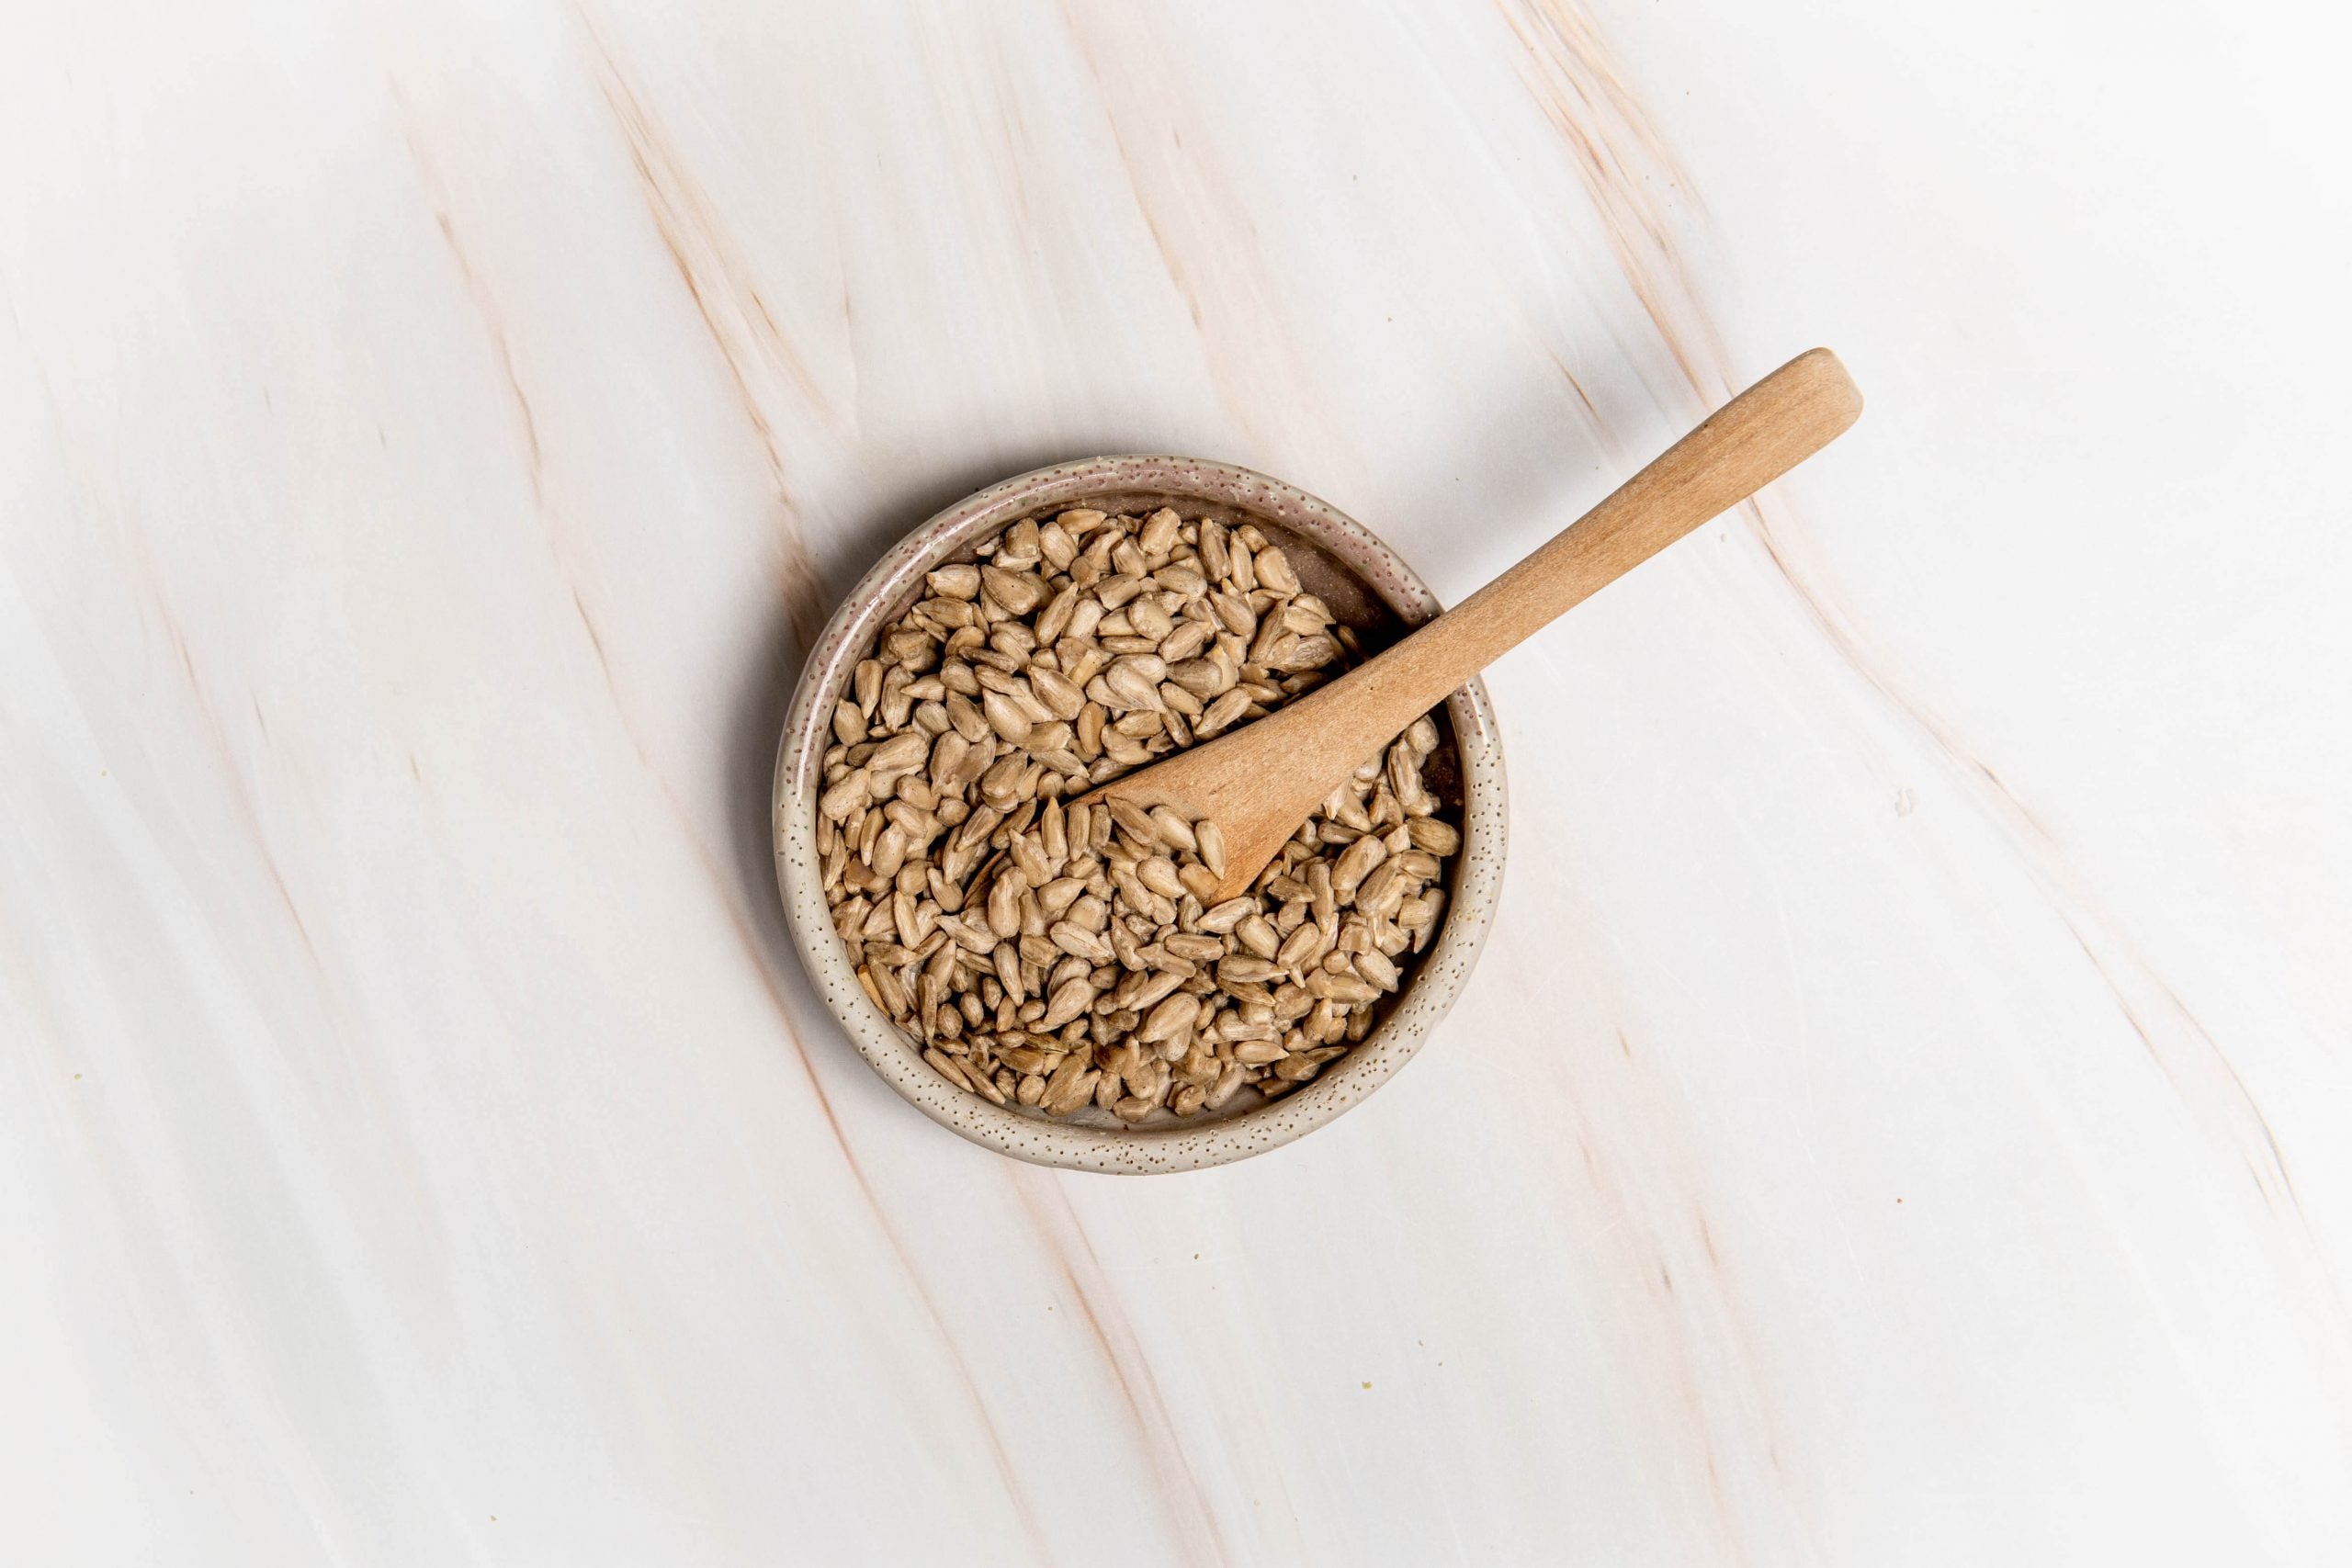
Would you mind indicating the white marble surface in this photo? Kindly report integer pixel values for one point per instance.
(1901, 1116)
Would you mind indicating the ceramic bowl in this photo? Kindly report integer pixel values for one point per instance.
(1368, 587)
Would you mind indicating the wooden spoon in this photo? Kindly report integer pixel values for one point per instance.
(1260, 782)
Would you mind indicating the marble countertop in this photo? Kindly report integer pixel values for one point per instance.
(1900, 1116)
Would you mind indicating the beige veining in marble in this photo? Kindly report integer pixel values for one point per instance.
(1898, 1115)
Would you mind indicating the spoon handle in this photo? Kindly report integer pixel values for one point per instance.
(1741, 447)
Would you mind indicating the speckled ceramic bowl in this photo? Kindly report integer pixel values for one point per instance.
(1367, 587)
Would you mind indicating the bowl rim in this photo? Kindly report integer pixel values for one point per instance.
(1438, 979)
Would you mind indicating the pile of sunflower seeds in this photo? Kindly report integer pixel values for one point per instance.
(1080, 967)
